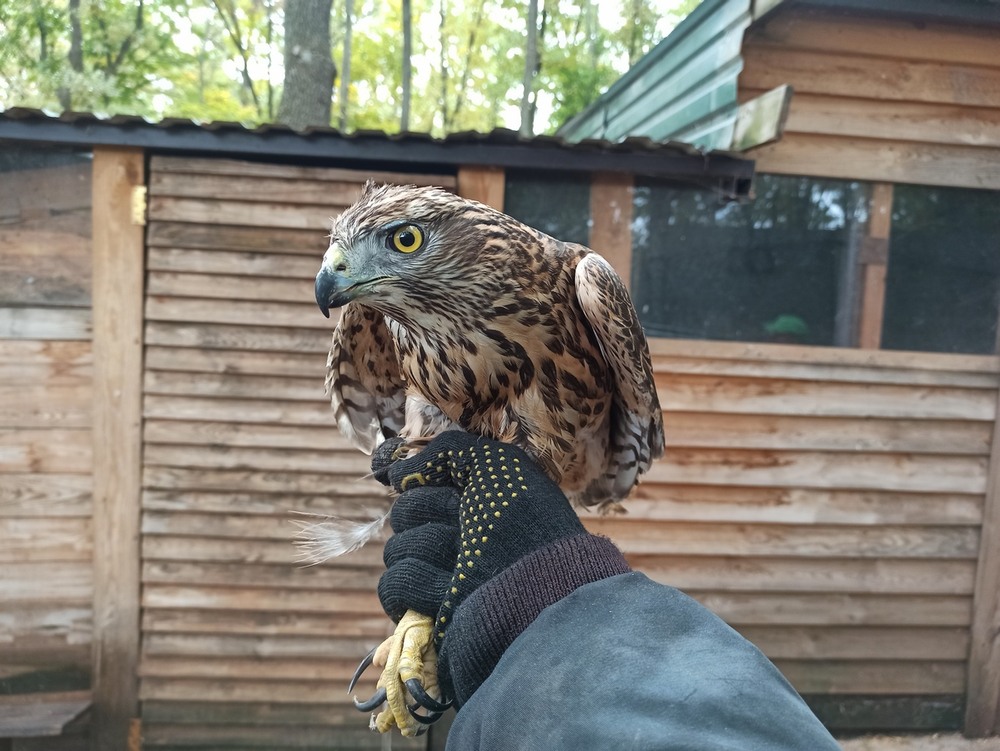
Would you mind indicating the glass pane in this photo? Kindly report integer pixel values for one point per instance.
(943, 285)
(556, 204)
(781, 268)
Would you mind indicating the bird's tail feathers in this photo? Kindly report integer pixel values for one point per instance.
(331, 536)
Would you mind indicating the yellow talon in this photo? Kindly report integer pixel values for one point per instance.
(408, 653)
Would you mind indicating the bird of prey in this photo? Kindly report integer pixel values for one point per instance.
(457, 316)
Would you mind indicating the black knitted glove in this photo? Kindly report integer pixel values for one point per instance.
(420, 556)
(521, 547)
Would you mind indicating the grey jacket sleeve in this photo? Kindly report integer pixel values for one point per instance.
(626, 663)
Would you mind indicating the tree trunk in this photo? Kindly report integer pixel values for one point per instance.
(539, 46)
(309, 67)
(404, 119)
(269, 38)
(442, 31)
(530, 66)
(345, 64)
(75, 52)
(633, 41)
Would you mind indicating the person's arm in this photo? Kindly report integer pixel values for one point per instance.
(547, 639)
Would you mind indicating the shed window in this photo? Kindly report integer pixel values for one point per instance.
(44, 229)
(943, 284)
(780, 268)
(556, 204)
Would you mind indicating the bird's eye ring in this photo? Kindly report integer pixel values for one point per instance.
(406, 239)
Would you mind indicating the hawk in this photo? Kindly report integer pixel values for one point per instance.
(457, 316)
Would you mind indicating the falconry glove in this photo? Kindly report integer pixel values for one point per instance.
(516, 546)
(420, 556)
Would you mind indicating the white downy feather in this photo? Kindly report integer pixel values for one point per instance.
(320, 541)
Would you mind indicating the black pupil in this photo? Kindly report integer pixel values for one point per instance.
(407, 238)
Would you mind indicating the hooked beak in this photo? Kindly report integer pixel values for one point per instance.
(334, 287)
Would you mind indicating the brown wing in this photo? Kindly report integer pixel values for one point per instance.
(366, 389)
(636, 420)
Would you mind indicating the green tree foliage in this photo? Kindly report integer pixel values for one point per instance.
(86, 55)
(211, 86)
(223, 59)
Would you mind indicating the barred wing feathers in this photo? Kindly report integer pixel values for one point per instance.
(637, 421)
(363, 380)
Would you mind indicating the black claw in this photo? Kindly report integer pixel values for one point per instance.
(361, 669)
(376, 701)
(424, 699)
(427, 719)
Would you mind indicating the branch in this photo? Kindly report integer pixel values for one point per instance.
(270, 56)
(232, 24)
(127, 43)
(467, 66)
(345, 67)
(43, 52)
(530, 66)
(539, 46)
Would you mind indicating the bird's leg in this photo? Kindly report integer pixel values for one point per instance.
(409, 669)
(415, 445)
(407, 447)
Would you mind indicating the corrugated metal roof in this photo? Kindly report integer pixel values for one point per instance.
(683, 90)
(502, 148)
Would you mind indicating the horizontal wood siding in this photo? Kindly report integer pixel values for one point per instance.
(46, 539)
(879, 99)
(242, 643)
(826, 503)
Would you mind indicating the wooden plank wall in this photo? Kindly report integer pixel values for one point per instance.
(45, 416)
(241, 643)
(827, 503)
(890, 100)
(879, 98)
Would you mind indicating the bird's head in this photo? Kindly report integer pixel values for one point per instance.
(400, 247)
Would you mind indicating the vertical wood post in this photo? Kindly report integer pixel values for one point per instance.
(611, 215)
(875, 260)
(118, 269)
(483, 184)
(982, 706)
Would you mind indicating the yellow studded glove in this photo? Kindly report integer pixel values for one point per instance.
(519, 547)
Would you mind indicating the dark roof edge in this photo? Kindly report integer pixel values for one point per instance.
(953, 11)
(500, 148)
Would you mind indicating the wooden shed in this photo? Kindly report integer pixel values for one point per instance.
(876, 227)
(163, 422)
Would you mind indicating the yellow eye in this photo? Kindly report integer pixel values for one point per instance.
(406, 239)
